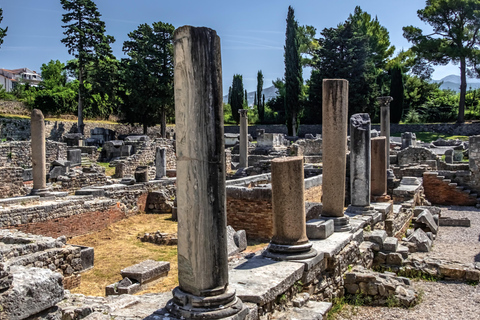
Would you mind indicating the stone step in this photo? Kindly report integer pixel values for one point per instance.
(447, 180)
(474, 195)
(460, 188)
(453, 184)
(441, 177)
(467, 191)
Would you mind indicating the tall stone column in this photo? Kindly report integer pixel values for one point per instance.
(360, 169)
(38, 151)
(385, 122)
(160, 163)
(243, 138)
(289, 241)
(203, 291)
(379, 170)
(334, 134)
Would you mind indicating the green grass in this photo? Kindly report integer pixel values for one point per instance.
(432, 136)
(109, 171)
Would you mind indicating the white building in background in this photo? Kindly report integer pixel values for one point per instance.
(9, 78)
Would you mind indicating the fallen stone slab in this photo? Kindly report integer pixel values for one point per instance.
(260, 280)
(377, 236)
(426, 218)
(390, 244)
(33, 290)
(312, 310)
(333, 244)
(421, 240)
(146, 271)
(451, 222)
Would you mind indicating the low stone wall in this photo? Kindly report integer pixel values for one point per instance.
(438, 191)
(11, 182)
(250, 208)
(19, 153)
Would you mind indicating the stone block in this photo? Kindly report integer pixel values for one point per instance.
(146, 271)
(90, 191)
(426, 218)
(240, 238)
(74, 156)
(452, 271)
(33, 290)
(319, 228)
(390, 244)
(394, 258)
(450, 222)
(421, 240)
(377, 236)
(232, 247)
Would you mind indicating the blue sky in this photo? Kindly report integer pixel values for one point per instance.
(252, 32)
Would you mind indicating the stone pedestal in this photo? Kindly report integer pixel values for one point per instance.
(360, 153)
(160, 163)
(203, 291)
(378, 184)
(385, 122)
(243, 138)
(289, 241)
(38, 152)
(409, 139)
(334, 134)
(141, 174)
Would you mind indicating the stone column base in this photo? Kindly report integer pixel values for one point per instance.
(390, 174)
(41, 192)
(290, 252)
(185, 305)
(340, 224)
(366, 210)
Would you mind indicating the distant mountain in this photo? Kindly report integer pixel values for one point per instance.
(270, 92)
(452, 82)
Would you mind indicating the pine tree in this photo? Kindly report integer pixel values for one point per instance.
(3, 32)
(85, 40)
(396, 92)
(260, 105)
(246, 98)
(293, 74)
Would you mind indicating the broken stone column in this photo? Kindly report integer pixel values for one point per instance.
(385, 122)
(360, 155)
(243, 138)
(160, 163)
(203, 291)
(334, 134)
(378, 185)
(289, 241)
(38, 151)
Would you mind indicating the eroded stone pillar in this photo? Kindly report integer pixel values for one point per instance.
(38, 151)
(360, 167)
(160, 163)
(334, 134)
(385, 122)
(379, 170)
(289, 239)
(203, 291)
(243, 138)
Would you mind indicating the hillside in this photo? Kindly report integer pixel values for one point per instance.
(452, 82)
(269, 93)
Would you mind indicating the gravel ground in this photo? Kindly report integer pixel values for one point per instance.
(440, 300)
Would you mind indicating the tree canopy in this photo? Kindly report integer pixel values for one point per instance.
(237, 96)
(85, 39)
(455, 38)
(148, 75)
(3, 31)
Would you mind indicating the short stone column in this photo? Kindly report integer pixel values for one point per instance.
(385, 122)
(289, 241)
(409, 139)
(160, 163)
(360, 170)
(334, 134)
(378, 184)
(38, 151)
(203, 291)
(243, 138)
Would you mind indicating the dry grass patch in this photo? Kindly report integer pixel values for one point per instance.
(117, 247)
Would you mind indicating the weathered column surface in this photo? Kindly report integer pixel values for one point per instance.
(38, 151)
(203, 291)
(334, 134)
(160, 163)
(360, 170)
(379, 170)
(243, 138)
(409, 139)
(385, 122)
(289, 239)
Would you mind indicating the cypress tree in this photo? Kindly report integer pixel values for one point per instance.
(260, 105)
(293, 73)
(396, 92)
(237, 97)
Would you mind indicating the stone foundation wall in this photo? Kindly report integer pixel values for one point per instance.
(412, 155)
(11, 182)
(19, 153)
(75, 182)
(438, 191)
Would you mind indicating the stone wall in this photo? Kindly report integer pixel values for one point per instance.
(467, 129)
(19, 153)
(474, 160)
(438, 191)
(414, 155)
(11, 182)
